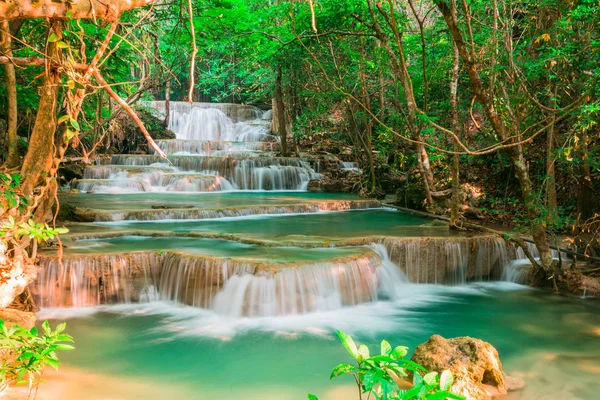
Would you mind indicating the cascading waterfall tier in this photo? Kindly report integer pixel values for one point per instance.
(237, 287)
(214, 147)
(219, 147)
(450, 260)
(231, 287)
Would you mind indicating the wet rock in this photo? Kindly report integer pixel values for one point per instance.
(475, 364)
(169, 207)
(338, 181)
(12, 317)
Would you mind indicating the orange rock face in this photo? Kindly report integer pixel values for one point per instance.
(475, 364)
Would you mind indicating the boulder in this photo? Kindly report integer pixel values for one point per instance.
(12, 317)
(475, 364)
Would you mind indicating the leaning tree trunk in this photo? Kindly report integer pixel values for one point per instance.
(40, 153)
(12, 156)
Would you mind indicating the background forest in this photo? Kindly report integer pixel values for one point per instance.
(480, 109)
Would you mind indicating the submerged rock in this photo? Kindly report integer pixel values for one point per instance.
(475, 364)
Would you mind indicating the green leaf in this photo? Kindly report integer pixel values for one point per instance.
(400, 351)
(430, 378)
(348, 343)
(386, 348)
(46, 327)
(70, 133)
(371, 379)
(446, 380)
(63, 119)
(61, 346)
(53, 38)
(363, 351)
(341, 370)
(311, 396)
(62, 45)
(75, 124)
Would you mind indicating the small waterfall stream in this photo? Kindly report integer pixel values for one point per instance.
(219, 147)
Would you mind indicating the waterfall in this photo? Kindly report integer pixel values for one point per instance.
(219, 147)
(309, 288)
(349, 165)
(518, 269)
(89, 281)
(455, 260)
(230, 287)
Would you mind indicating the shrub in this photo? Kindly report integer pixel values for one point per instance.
(25, 354)
(379, 375)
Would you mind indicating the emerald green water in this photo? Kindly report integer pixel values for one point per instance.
(159, 351)
(134, 201)
(209, 247)
(349, 224)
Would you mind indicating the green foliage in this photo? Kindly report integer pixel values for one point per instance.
(9, 184)
(26, 353)
(42, 232)
(378, 375)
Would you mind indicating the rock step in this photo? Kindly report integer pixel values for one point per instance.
(215, 147)
(197, 280)
(91, 215)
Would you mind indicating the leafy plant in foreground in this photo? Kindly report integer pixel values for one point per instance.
(24, 354)
(379, 376)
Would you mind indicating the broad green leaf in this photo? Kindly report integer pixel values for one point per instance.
(75, 124)
(70, 133)
(53, 38)
(64, 118)
(341, 370)
(430, 378)
(363, 350)
(386, 348)
(64, 347)
(348, 343)
(400, 351)
(446, 380)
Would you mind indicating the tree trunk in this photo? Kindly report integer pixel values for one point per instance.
(282, 130)
(38, 159)
(367, 117)
(538, 231)
(12, 157)
(73, 9)
(456, 126)
(401, 71)
(586, 198)
(551, 201)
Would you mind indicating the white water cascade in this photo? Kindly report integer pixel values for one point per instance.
(219, 147)
(229, 287)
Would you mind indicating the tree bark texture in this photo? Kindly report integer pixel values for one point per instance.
(12, 156)
(109, 10)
